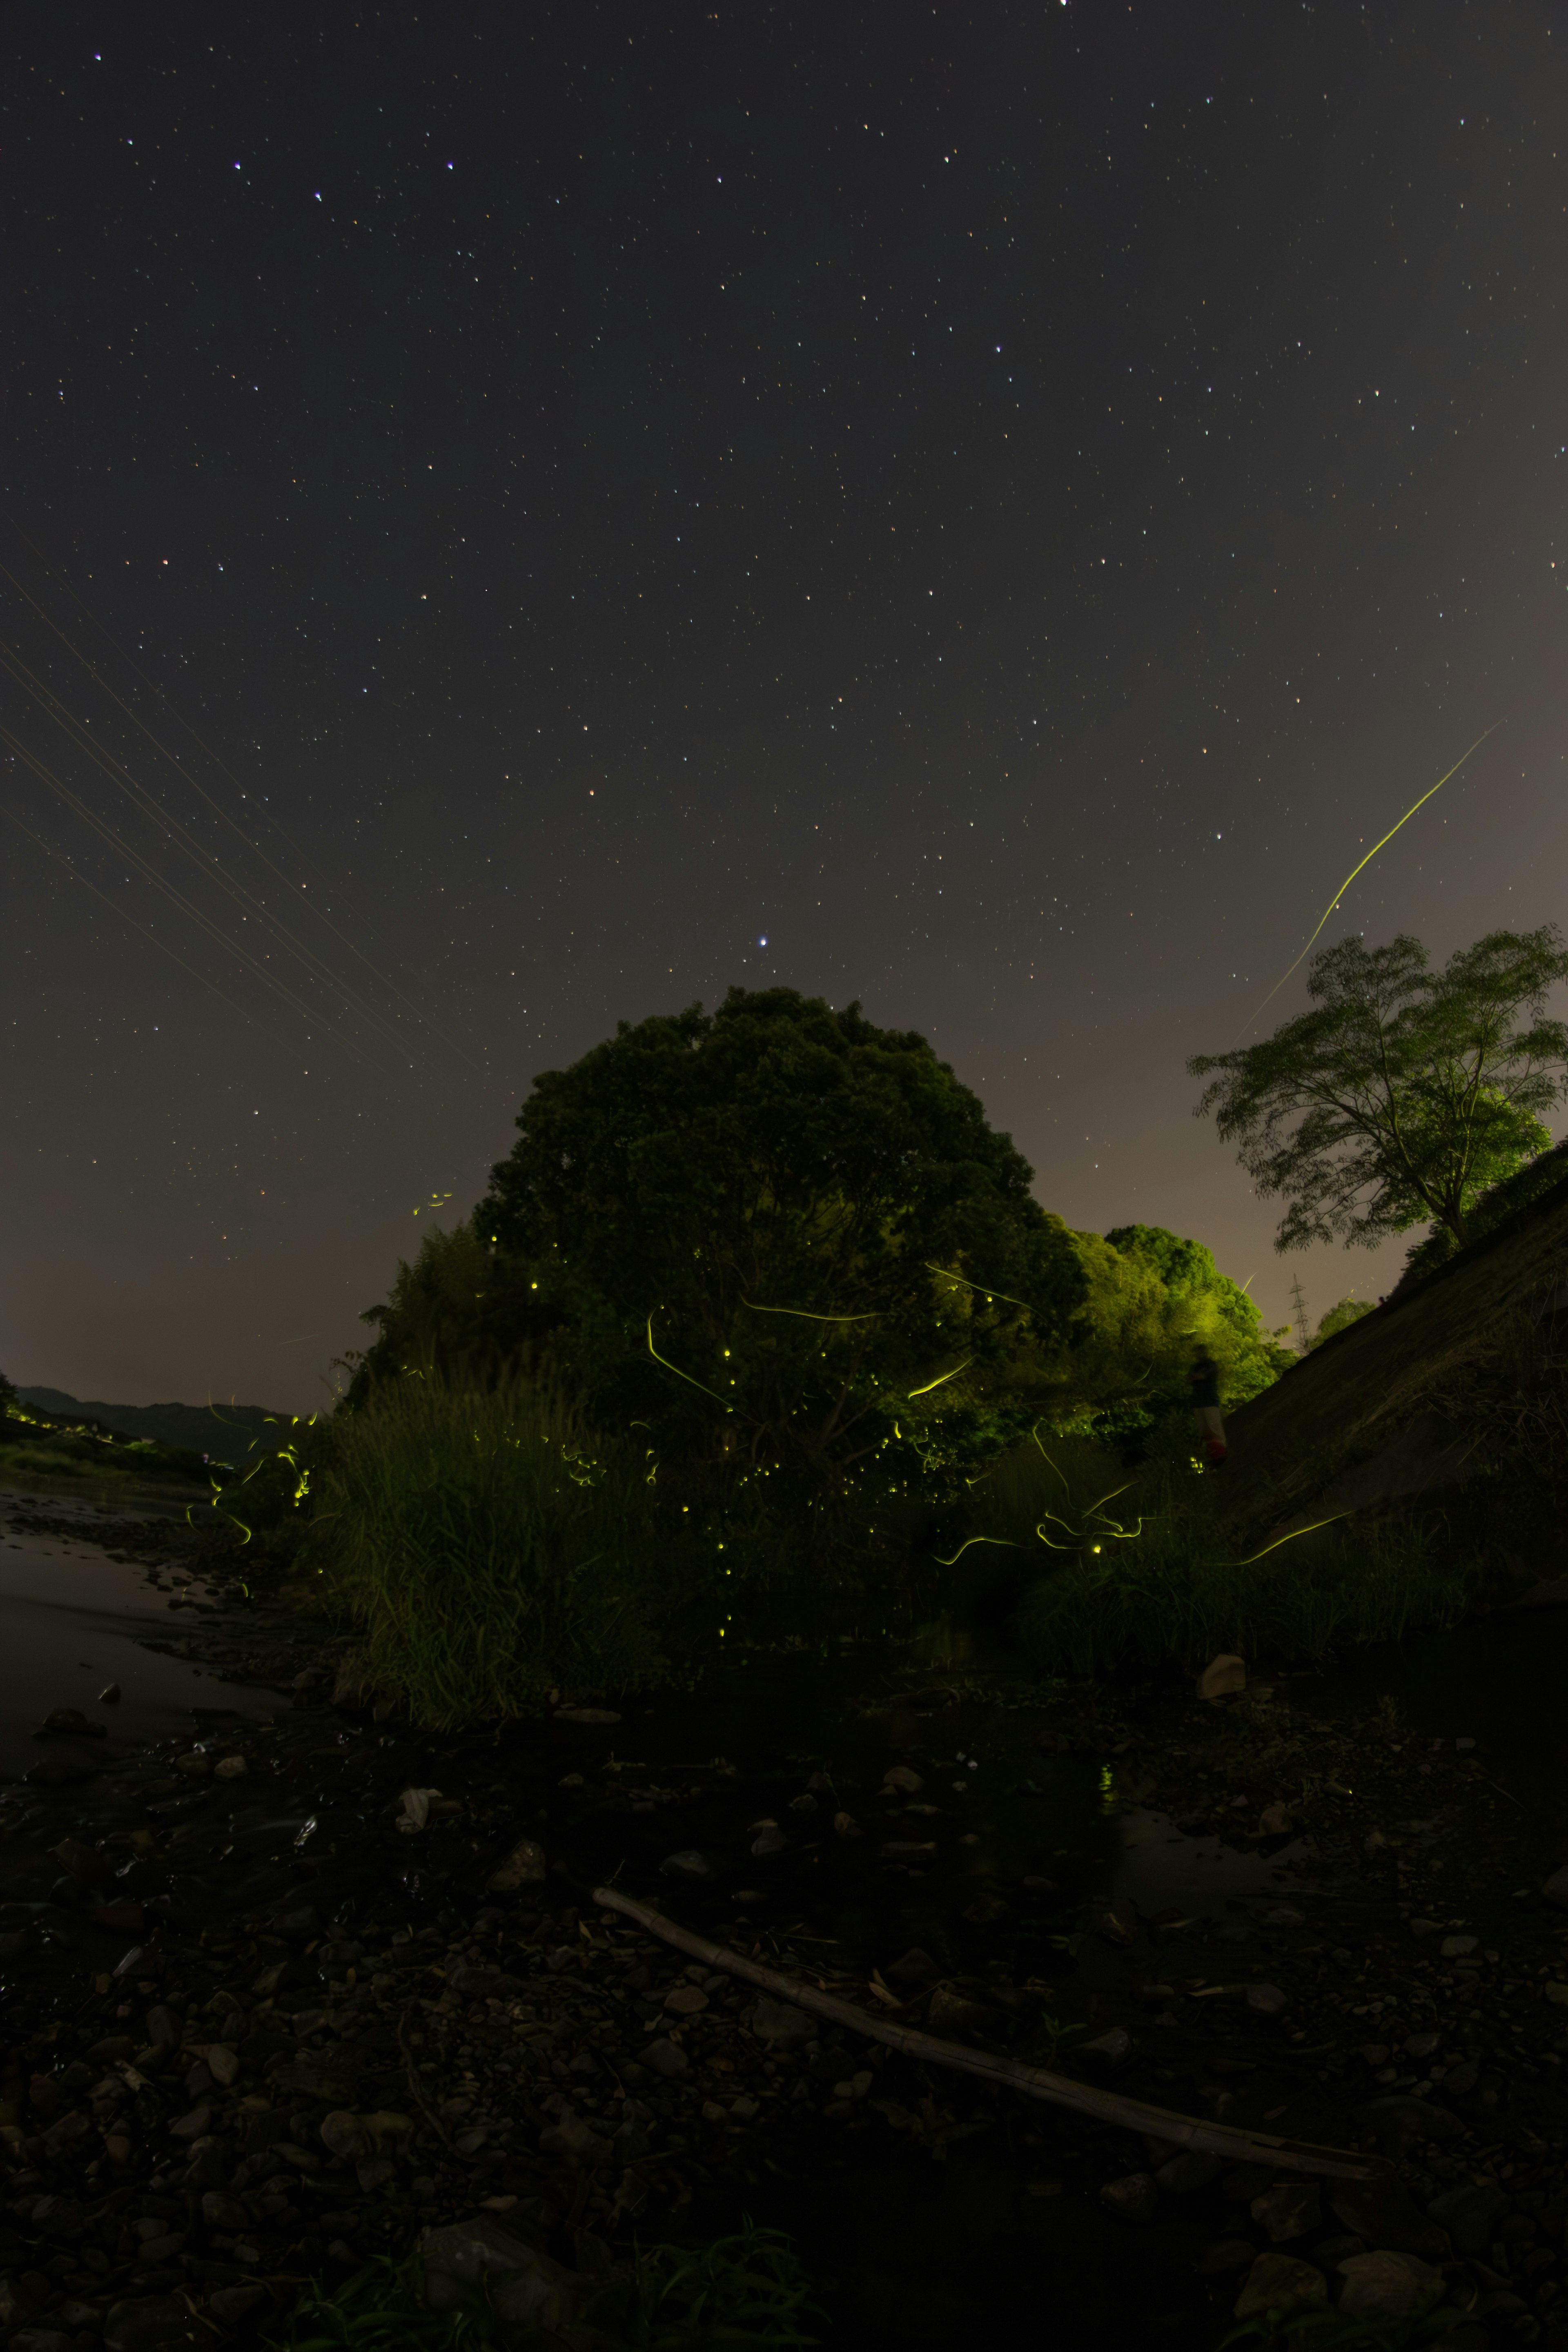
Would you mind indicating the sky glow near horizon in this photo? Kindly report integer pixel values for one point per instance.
(990, 516)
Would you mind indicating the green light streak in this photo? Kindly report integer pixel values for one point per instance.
(1366, 861)
(1289, 1537)
(805, 1316)
(1006, 1541)
(982, 1289)
(680, 1375)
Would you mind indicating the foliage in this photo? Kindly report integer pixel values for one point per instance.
(1340, 1316)
(779, 1233)
(493, 1550)
(1404, 1093)
(1496, 1205)
(33, 1460)
(1155, 1578)
(461, 1308)
(1211, 1309)
(749, 2289)
(380, 2309)
(1154, 1300)
(7, 1396)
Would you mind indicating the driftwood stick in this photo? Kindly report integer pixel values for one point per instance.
(1035, 2082)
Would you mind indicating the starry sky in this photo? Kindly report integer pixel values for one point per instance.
(516, 518)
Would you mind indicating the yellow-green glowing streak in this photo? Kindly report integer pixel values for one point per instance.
(1289, 1537)
(942, 1376)
(680, 1375)
(806, 1317)
(1005, 1542)
(983, 1288)
(1366, 861)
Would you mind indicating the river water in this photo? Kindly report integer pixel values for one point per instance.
(73, 1622)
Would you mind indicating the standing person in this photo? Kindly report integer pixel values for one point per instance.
(1204, 1378)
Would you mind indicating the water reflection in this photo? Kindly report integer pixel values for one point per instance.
(1160, 1868)
(73, 1622)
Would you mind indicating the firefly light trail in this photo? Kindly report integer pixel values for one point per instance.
(1366, 861)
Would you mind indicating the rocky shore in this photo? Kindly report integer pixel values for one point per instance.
(282, 2000)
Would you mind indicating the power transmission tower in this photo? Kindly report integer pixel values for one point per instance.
(1298, 1300)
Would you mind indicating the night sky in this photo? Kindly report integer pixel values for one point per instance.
(520, 516)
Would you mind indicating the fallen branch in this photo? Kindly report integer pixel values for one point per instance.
(1035, 2082)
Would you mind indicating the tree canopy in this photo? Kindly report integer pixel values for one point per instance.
(802, 1225)
(1340, 1316)
(1405, 1093)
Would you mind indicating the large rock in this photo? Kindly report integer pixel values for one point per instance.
(779, 2022)
(1469, 2215)
(146, 2322)
(1276, 2280)
(526, 2289)
(1189, 2170)
(1222, 1676)
(1400, 2285)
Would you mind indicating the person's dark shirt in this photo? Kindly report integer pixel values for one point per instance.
(1205, 1378)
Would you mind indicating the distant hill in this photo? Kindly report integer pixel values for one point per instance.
(226, 1431)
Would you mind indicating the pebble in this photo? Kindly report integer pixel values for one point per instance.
(1287, 2211)
(666, 2058)
(689, 1864)
(1133, 2198)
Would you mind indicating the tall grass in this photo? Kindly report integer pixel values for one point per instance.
(1152, 1576)
(491, 1550)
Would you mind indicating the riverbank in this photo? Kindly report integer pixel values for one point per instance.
(1320, 1926)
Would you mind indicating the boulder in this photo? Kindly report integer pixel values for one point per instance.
(1383, 2213)
(1469, 2214)
(1221, 1677)
(1191, 2171)
(1399, 2286)
(527, 2290)
(1277, 2279)
(148, 2322)
(778, 2022)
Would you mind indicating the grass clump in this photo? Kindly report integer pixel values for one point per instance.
(44, 1462)
(1135, 1568)
(492, 1549)
(747, 2290)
